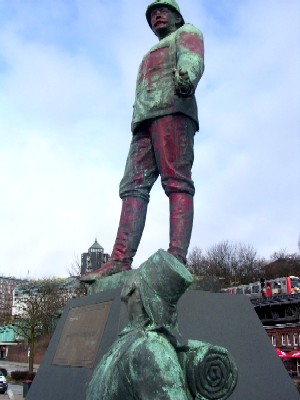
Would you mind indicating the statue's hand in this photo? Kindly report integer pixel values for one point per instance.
(183, 85)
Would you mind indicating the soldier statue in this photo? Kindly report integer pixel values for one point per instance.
(164, 122)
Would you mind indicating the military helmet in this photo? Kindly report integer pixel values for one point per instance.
(169, 3)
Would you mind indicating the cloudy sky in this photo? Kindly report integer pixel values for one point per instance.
(67, 80)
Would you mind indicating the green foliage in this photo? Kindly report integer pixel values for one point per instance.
(4, 371)
(22, 375)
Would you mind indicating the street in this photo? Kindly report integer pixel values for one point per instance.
(17, 391)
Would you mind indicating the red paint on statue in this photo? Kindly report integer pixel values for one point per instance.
(153, 65)
(192, 42)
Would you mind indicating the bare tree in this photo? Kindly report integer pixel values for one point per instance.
(75, 268)
(219, 258)
(38, 306)
(281, 253)
(234, 263)
(196, 262)
(74, 271)
(251, 266)
(283, 266)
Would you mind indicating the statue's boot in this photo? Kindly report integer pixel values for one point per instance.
(131, 226)
(181, 224)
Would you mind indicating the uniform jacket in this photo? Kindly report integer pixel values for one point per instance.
(155, 87)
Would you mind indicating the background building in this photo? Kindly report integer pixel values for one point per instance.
(280, 316)
(93, 259)
(286, 339)
(7, 286)
(7, 339)
(64, 287)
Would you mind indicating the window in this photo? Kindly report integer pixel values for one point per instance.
(255, 289)
(273, 340)
(288, 338)
(295, 339)
(295, 282)
(283, 341)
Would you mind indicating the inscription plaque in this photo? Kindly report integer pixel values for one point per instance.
(81, 336)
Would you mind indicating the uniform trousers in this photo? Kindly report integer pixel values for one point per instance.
(161, 146)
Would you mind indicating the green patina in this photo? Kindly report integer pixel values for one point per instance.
(142, 364)
(210, 370)
(156, 91)
(164, 122)
(209, 284)
(107, 283)
(148, 360)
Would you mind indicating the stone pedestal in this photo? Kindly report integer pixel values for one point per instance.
(90, 325)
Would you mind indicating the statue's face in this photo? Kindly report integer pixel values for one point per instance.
(163, 21)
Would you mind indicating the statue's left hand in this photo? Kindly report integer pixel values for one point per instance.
(183, 85)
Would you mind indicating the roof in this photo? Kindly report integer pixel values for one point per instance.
(7, 334)
(96, 245)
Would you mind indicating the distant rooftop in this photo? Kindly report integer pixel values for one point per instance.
(96, 246)
(7, 334)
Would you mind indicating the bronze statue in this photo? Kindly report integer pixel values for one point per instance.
(149, 360)
(164, 122)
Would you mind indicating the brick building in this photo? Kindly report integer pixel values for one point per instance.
(286, 339)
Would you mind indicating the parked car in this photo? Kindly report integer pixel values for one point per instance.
(3, 383)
